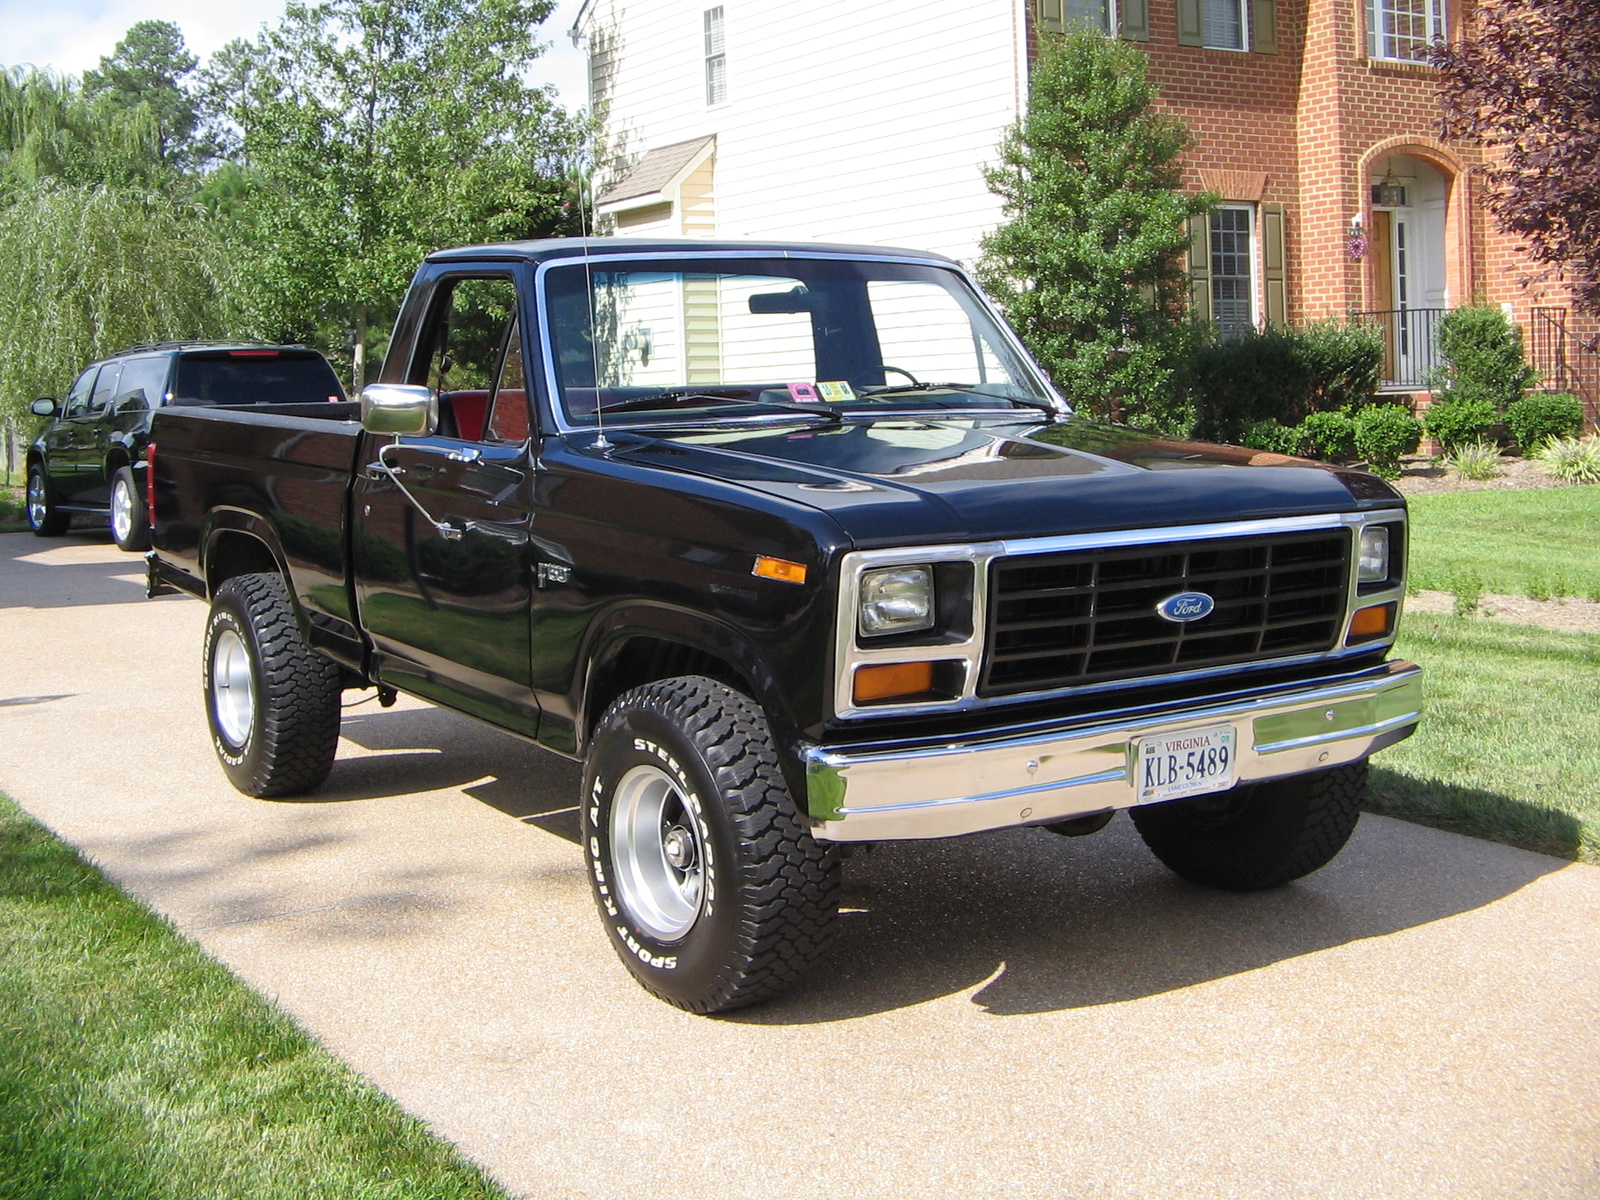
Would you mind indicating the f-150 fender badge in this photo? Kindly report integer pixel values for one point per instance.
(1186, 607)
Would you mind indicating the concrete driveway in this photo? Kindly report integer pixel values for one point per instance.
(1014, 1014)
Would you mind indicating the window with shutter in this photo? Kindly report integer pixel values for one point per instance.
(1232, 270)
(1404, 29)
(1057, 16)
(1223, 25)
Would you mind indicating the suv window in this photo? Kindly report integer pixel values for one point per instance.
(143, 384)
(104, 388)
(256, 377)
(78, 398)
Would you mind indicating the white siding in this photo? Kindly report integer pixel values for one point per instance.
(843, 121)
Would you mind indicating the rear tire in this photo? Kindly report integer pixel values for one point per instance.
(711, 887)
(271, 700)
(1257, 835)
(130, 523)
(43, 517)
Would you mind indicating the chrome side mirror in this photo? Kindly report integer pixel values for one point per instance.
(43, 407)
(399, 409)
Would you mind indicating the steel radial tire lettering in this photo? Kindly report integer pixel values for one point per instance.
(1256, 835)
(272, 702)
(740, 914)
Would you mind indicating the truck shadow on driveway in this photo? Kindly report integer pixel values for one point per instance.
(1038, 923)
(428, 749)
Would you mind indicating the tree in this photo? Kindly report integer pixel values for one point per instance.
(147, 70)
(1087, 262)
(50, 130)
(375, 131)
(85, 271)
(1525, 84)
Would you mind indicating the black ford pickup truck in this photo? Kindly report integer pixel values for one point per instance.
(794, 547)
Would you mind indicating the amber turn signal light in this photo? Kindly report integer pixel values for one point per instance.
(892, 679)
(781, 569)
(1370, 622)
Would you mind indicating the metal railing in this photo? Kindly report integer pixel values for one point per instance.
(1567, 358)
(1410, 344)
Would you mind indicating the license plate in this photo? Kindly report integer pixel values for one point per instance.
(1189, 762)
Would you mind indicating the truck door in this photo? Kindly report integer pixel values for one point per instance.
(88, 485)
(60, 436)
(442, 523)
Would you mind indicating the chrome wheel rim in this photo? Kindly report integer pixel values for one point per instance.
(37, 509)
(658, 853)
(121, 510)
(233, 689)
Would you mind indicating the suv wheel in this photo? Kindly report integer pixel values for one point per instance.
(130, 525)
(43, 516)
(272, 701)
(1256, 835)
(711, 887)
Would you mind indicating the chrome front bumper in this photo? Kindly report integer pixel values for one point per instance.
(884, 794)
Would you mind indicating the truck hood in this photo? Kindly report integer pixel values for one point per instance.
(898, 481)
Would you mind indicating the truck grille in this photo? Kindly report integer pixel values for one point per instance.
(1059, 620)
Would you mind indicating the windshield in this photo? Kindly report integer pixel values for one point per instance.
(646, 340)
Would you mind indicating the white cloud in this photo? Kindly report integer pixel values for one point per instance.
(71, 36)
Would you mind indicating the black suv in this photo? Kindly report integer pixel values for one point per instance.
(91, 458)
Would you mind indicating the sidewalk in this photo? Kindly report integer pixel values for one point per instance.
(1014, 1014)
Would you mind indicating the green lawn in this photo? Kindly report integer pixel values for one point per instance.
(133, 1067)
(1509, 745)
(1538, 542)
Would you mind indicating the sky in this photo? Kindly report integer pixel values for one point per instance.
(70, 36)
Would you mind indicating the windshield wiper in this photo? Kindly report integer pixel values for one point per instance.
(646, 403)
(970, 389)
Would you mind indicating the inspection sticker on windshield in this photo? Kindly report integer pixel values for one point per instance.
(805, 393)
(1189, 762)
(836, 391)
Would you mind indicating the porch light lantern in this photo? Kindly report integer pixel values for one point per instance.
(1391, 193)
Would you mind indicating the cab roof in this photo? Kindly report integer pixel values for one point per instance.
(545, 249)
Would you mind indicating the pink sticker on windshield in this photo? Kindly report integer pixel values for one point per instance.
(805, 393)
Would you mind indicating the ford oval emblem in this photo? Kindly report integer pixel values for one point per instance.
(1186, 607)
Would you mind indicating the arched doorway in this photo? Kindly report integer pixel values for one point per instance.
(1410, 280)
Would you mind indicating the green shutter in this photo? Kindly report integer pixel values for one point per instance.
(1051, 15)
(1191, 24)
(1264, 26)
(1134, 20)
(1274, 265)
(1200, 267)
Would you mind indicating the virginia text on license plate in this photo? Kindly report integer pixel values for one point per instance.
(1189, 762)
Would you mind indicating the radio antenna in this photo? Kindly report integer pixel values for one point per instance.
(600, 442)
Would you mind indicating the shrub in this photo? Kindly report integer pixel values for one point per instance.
(1535, 420)
(1460, 420)
(1328, 435)
(1575, 460)
(1475, 460)
(1383, 433)
(1482, 355)
(1283, 375)
(1269, 435)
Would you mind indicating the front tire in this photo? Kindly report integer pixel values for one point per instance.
(130, 523)
(1258, 835)
(271, 700)
(43, 517)
(712, 890)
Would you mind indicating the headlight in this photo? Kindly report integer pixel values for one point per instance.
(896, 600)
(1374, 566)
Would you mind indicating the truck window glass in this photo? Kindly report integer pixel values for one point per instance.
(623, 334)
(231, 377)
(78, 397)
(508, 414)
(467, 337)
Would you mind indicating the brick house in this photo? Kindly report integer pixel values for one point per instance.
(1313, 120)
